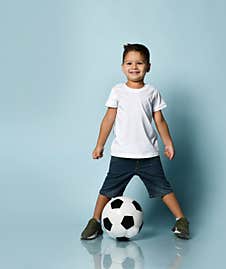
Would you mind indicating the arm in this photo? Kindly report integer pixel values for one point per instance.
(105, 129)
(164, 133)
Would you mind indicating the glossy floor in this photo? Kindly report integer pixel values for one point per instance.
(59, 246)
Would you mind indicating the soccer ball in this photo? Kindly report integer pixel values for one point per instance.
(122, 218)
(119, 255)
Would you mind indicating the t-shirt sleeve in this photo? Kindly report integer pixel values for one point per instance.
(157, 102)
(112, 100)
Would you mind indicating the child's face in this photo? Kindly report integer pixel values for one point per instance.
(135, 67)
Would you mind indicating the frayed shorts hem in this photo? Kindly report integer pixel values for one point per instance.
(160, 195)
(110, 195)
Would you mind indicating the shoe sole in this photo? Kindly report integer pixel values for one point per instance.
(92, 236)
(182, 236)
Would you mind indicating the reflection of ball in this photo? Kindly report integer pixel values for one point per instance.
(119, 255)
(122, 218)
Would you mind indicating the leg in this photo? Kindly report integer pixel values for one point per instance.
(171, 202)
(93, 228)
(181, 228)
(100, 204)
(117, 178)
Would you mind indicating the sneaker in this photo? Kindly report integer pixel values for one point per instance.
(181, 228)
(92, 230)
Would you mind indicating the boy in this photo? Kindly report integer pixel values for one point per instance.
(134, 151)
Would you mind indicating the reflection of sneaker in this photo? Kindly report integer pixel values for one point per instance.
(181, 228)
(181, 247)
(92, 230)
(93, 246)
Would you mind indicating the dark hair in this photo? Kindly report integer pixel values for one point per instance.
(136, 47)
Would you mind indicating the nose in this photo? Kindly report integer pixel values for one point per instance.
(134, 65)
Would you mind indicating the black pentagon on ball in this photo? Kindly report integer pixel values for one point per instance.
(107, 224)
(122, 238)
(137, 206)
(127, 222)
(116, 203)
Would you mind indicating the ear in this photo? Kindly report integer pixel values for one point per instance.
(149, 67)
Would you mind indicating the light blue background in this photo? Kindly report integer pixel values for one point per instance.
(59, 60)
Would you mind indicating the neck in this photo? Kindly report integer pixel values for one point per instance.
(135, 84)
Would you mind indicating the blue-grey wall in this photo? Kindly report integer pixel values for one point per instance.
(59, 60)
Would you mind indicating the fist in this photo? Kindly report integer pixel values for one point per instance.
(98, 152)
(169, 152)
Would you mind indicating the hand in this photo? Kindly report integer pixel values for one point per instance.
(98, 152)
(169, 151)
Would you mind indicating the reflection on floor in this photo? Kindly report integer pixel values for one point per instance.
(58, 246)
(161, 252)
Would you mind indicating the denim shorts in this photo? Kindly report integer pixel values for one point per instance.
(121, 170)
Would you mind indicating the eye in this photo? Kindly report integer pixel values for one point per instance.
(128, 63)
(140, 63)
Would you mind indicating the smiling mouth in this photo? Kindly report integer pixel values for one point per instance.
(134, 72)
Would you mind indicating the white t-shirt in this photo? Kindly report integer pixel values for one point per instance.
(134, 134)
